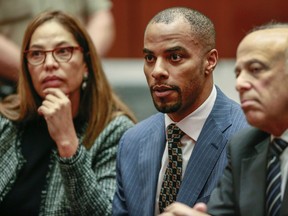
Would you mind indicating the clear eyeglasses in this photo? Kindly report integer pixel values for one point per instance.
(60, 54)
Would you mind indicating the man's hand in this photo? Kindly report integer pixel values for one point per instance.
(179, 209)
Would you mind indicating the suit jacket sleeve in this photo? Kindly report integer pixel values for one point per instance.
(119, 204)
(90, 181)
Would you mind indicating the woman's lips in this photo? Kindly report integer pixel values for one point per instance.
(51, 82)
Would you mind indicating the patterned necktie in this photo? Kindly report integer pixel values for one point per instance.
(273, 190)
(173, 174)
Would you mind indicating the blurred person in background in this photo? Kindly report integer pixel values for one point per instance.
(59, 134)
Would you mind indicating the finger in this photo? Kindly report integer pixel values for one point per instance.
(55, 91)
(179, 209)
(40, 112)
(56, 101)
(44, 112)
(52, 98)
(202, 207)
(175, 206)
(50, 106)
(167, 214)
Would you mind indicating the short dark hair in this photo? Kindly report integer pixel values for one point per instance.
(201, 26)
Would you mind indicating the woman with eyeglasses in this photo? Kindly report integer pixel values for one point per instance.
(59, 134)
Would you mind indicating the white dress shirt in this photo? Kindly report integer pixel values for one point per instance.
(191, 125)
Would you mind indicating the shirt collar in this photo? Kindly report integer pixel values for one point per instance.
(284, 136)
(192, 124)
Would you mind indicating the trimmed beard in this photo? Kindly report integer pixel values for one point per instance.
(169, 108)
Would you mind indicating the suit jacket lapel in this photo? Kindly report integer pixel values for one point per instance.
(201, 163)
(253, 172)
(207, 151)
(10, 162)
(150, 156)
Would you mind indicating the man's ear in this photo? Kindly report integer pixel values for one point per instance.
(211, 61)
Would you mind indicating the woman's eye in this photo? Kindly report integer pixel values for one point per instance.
(36, 53)
(64, 50)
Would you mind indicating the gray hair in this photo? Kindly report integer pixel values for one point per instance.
(270, 25)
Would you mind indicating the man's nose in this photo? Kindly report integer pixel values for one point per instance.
(160, 69)
(242, 81)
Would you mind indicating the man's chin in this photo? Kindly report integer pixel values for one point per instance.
(164, 108)
(254, 118)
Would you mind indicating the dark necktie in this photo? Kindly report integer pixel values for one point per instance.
(173, 174)
(273, 190)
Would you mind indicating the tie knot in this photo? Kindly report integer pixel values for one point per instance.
(174, 132)
(278, 146)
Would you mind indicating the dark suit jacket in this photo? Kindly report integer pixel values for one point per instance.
(241, 190)
(140, 153)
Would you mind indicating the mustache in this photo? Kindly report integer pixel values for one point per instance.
(163, 87)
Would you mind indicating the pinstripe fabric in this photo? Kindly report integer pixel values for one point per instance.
(84, 185)
(241, 190)
(273, 190)
(139, 160)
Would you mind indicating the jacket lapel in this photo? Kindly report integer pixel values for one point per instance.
(150, 156)
(11, 160)
(205, 155)
(253, 172)
(284, 206)
(206, 152)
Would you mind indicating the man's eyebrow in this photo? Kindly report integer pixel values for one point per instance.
(147, 51)
(254, 60)
(250, 62)
(169, 50)
(176, 48)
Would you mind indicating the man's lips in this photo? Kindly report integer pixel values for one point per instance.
(246, 103)
(162, 90)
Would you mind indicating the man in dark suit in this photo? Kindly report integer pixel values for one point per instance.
(180, 56)
(262, 80)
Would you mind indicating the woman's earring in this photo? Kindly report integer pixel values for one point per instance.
(84, 83)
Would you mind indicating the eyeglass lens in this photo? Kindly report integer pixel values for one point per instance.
(60, 54)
